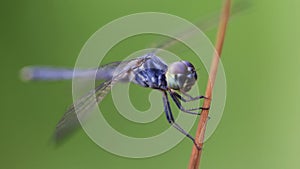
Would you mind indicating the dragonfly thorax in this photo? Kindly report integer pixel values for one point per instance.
(181, 76)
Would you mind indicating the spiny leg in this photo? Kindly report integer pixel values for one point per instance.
(171, 120)
(190, 98)
(190, 111)
(175, 96)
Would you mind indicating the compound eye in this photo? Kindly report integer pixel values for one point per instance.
(178, 68)
(189, 65)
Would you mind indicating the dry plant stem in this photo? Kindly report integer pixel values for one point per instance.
(196, 154)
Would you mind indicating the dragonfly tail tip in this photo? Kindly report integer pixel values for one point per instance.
(26, 74)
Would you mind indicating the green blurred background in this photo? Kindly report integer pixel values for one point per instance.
(260, 125)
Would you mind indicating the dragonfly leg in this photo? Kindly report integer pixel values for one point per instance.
(178, 104)
(175, 125)
(171, 120)
(190, 98)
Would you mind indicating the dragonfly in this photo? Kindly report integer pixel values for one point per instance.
(150, 71)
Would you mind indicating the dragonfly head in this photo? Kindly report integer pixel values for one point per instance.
(181, 76)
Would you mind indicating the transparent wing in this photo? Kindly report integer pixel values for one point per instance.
(80, 109)
(206, 24)
(105, 72)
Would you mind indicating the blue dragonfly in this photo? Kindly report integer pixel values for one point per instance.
(149, 71)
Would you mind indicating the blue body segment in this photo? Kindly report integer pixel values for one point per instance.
(153, 78)
(51, 73)
(48, 73)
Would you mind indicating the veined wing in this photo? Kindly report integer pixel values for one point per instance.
(206, 24)
(80, 109)
(85, 104)
(105, 72)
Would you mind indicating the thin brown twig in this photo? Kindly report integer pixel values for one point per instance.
(196, 154)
